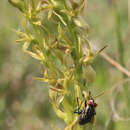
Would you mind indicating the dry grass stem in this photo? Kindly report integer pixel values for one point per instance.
(115, 64)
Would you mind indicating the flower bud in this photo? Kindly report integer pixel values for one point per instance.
(20, 4)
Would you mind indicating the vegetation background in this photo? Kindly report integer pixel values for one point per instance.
(24, 102)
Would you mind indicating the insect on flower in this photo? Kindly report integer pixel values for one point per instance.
(86, 110)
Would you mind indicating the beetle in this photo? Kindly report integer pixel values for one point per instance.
(86, 110)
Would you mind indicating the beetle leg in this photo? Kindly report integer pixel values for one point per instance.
(85, 103)
(78, 111)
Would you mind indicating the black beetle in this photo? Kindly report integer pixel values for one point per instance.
(86, 110)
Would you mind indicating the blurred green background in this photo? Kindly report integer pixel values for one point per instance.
(24, 102)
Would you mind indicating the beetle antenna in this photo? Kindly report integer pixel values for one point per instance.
(89, 92)
(77, 99)
(100, 94)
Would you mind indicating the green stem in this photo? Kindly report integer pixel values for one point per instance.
(78, 66)
(118, 33)
(120, 45)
